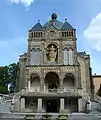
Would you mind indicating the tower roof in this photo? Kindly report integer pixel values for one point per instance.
(66, 26)
(37, 27)
(53, 22)
(57, 24)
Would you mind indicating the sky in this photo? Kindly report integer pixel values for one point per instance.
(18, 16)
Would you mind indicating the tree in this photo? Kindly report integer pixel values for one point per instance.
(4, 79)
(8, 76)
(12, 70)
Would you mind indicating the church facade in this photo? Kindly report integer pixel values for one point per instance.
(54, 76)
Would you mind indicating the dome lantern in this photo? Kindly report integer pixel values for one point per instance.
(54, 16)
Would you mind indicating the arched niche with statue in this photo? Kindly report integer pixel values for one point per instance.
(52, 53)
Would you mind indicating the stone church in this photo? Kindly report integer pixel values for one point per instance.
(54, 76)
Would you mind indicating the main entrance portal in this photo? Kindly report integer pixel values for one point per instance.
(52, 106)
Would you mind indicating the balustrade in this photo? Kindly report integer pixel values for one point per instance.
(54, 91)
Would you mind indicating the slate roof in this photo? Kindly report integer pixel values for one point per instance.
(82, 53)
(57, 24)
(66, 26)
(53, 22)
(37, 27)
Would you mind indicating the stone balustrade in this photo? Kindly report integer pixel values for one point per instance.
(56, 91)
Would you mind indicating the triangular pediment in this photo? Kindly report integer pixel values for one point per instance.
(51, 28)
(51, 32)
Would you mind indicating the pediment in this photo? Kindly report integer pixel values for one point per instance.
(51, 32)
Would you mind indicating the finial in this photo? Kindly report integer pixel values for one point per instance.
(38, 20)
(65, 19)
(54, 16)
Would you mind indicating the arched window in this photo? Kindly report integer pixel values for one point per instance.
(65, 52)
(68, 54)
(35, 56)
(71, 55)
(34, 82)
(69, 80)
(52, 81)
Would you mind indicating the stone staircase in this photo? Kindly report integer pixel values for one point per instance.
(5, 103)
(38, 116)
(5, 108)
(95, 104)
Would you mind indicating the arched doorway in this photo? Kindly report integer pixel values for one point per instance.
(52, 81)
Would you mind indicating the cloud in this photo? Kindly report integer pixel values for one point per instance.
(11, 49)
(26, 3)
(93, 33)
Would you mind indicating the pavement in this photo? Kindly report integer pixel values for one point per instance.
(76, 116)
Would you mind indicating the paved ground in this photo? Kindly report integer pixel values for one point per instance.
(78, 116)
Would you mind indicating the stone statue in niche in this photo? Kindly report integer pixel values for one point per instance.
(51, 53)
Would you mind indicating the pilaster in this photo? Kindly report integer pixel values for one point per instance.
(39, 105)
(22, 103)
(79, 105)
(29, 85)
(42, 81)
(61, 104)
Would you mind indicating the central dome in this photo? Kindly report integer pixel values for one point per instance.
(54, 16)
(53, 22)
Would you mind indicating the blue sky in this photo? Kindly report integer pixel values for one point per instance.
(18, 16)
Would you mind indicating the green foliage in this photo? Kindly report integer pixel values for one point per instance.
(8, 75)
(28, 117)
(62, 116)
(4, 76)
(12, 70)
(3, 90)
(46, 116)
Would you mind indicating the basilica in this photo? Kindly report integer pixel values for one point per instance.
(53, 76)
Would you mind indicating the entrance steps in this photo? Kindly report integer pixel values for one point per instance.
(38, 116)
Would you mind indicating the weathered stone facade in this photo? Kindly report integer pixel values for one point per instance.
(54, 76)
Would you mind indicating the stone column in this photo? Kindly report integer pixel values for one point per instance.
(39, 105)
(61, 104)
(22, 104)
(61, 53)
(79, 105)
(29, 85)
(42, 81)
(89, 105)
(42, 85)
(61, 80)
(61, 85)
(42, 52)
